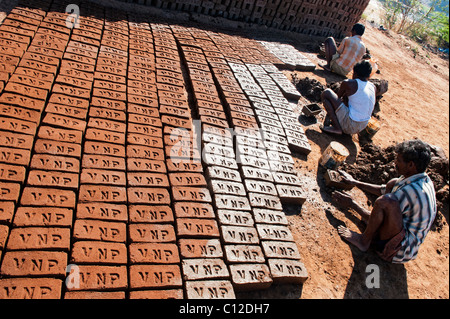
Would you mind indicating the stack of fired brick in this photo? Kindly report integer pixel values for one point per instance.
(313, 17)
(116, 158)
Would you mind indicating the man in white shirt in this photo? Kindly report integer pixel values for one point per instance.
(351, 109)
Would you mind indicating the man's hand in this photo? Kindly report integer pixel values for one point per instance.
(342, 199)
(347, 178)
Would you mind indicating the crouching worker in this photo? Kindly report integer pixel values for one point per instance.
(351, 109)
(403, 214)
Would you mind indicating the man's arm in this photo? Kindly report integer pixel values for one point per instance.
(376, 190)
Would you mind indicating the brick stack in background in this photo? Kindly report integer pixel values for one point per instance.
(312, 17)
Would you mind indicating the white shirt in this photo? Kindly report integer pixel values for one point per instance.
(362, 103)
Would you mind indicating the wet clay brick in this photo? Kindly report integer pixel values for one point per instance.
(97, 252)
(34, 263)
(226, 187)
(100, 278)
(239, 235)
(55, 163)
(250, 277)
(265, 201)
(197, 228)
(202, 269)
(12, 173)
(266, 216)
(154, 254)
(194, 210)
(280, 249)
(274, 232)
(152, 233)
(39, 238)
(155, 276)
(104, 162)
(53, 179)
(235, 218)
(142, 195)
(288, 271)
(215, 172)
(95, 193)
(147, 179)
(151, 214)
(228, 202)
(100, 230)
(43, 217)
(102, 211)
(48, 197)
(207, 290)
(194, 194)
(30, 288)
(244, 254)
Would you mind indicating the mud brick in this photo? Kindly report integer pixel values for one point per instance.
(274, 233)
(147, 179)
(242, 142)
(176, 122)
(12, 173)
(22, 101)
(104, 162)
(209, 106)
(104, 124)
(39, 238)
(62, 135)
(110, 194)
(12, 51)
(286, 179)
(66, 111)
(155, 276)
(299, 145)
(221, 161)
(180, 142)
(250, 277)
(9, 191)
(236, 254)
(280, 250)
(215, 172)
(222, 132)
(151, 214)
(143, 119)
(53, 179)
(228, 187)
(200, 248)
(276, 147)
(265, 201)
(201, 269)
(105, 136)
(102, 211)
(18, 126)
(100, 278)
(34, 263)
(239, 235)
(144, 129)
(235, 218)
(99, 253)
(195, 194)
(48, 197)
(275, 138)
(194, 210)
(100, 230)
(30, 288)
(55, 163)
(286, 271)
(20, 113)
(6, 212)
(177, 132)
(261, 187)
(57, 148)
(64, 122)
(94, 295)
(246, 150)
(144, 152)
(154, 253)
(103, 177)
(291, 194)
(151, 233)
(108, 104)
(248, 133)
(146, 165)
(30, 82)
(72, 91)
(208, 113)
(182, 152)
(227, 202)
(280, 157)
(253, 161)
(176, 111)
(215, 139)
(266, 216)
(219, 150)
(69, 101)
(188, 179)
(197, 228)
(213, 289)
(43, 216)
(14, 140)
(142, 110)
(157, 196)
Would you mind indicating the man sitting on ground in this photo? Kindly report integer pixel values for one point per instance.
(351, 109)
(403, 214)
(351, 51)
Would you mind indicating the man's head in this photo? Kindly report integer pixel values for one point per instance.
(358, 29)
(362, 70)
(413, 157)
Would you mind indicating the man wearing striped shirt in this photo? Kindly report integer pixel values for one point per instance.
(351, 51)
(405, 211)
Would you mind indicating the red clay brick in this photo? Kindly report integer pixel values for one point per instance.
(48, 197)
(194, 194)
(154, 253)
(144, 152)
(204, 269)
(53, 179)
(151, 214)
(144, 129)
(152, 233)
(157, 196)
(145, 165)
(55, 163)
(6, 212)
(107, 114)
(14, 156)
(22, 101)
(64, 122)
(95, 193)
(212, 289)
(20, 113)
(102, 211)
(94, 295)
(107, 149)
(30, 288)
(102, 278)
(97, 252)
(93, 134)
(250, 277)
(157, 294)
(103, 177)
(9, 191)
(12, 173)
(4, 232)
(43, 217)
(57, 148)
(197, 228)
(39, 238)
(100, 230)
(18, 126)
(104, 162)
(34, 263)
(155, 276)
(148, 179)
(108, 104)
(62, 135)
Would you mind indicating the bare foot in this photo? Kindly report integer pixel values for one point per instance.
(353, 238)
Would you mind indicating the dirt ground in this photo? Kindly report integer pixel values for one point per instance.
(416, 106)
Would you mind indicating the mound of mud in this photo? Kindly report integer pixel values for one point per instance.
(310, 89)
(377, 166)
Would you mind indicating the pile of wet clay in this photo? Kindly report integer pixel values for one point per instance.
(377, 166)
(310, 89)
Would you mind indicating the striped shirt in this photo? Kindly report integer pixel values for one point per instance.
(351, 51)
(417, 199)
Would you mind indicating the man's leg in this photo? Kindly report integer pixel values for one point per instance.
(332, 102)
(385, 222)
(330, 51)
